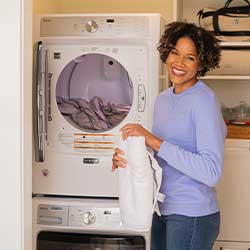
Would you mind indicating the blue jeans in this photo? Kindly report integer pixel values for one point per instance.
(178, 232)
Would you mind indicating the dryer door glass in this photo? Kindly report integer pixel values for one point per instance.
(76, 241)
(94, 93)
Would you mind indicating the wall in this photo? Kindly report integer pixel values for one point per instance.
(15, 126)
(46, 6)
(26, 124)
(76, 6)
(10, 138)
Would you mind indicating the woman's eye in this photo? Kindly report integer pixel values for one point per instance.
(173, 52)
(190, 58)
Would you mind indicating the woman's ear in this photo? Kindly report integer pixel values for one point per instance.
(200, 69)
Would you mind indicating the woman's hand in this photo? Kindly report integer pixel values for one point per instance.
(134, 129)
(118, 160)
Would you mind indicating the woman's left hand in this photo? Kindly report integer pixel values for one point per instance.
(134, 129)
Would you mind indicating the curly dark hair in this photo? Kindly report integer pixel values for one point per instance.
(207, 45)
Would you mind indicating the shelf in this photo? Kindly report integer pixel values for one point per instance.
(232, 144)
(226, 77)
(235, 44)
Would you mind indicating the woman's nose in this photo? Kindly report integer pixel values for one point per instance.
(181, 60)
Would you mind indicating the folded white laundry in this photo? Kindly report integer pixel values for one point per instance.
(139, 185)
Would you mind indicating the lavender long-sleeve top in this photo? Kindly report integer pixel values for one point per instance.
(191, 156)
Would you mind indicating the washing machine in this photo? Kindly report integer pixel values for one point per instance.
(93, 73)
(82, 224)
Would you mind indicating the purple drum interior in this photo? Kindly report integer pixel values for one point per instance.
(94, 93)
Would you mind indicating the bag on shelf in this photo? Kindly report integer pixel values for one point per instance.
(229, 23)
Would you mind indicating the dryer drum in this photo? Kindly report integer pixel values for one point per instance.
(94, 93)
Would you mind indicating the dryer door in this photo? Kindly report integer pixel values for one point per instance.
(94, 93)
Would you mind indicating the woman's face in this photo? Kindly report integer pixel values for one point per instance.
(183, 64)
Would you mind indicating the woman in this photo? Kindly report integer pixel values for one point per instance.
(188, 139)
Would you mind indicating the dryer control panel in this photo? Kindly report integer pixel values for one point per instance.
(96, 26)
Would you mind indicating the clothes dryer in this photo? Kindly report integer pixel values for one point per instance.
(83, 224)
(94, 74)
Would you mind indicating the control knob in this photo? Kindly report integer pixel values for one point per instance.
(88, 218)
(91, 26)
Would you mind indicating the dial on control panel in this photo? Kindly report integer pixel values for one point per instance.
(89, 218)
(91, 26)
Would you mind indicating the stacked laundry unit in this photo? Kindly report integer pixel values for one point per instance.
(93, 74)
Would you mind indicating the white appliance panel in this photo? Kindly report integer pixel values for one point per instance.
(77, 160)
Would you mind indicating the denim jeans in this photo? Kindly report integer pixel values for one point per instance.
(178, 232)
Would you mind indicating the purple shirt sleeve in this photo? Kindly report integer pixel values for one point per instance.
(205, 165)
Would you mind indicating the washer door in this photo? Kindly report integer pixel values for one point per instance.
(94, 93)
(75, 241)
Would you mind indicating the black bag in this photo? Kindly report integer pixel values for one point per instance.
(227, 21)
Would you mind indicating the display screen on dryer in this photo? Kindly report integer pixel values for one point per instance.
(94, 93)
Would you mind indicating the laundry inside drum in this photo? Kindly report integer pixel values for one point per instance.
(94, 93)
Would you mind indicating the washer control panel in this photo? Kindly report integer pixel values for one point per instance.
(93, 216)
(78, 216)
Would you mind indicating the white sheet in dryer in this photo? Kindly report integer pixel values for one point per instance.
(139, 184)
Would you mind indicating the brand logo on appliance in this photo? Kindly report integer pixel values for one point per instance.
(236, 21)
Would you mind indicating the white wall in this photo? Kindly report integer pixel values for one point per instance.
(26, 131)
(15, 138)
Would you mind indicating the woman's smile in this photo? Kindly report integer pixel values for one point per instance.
(178, 72)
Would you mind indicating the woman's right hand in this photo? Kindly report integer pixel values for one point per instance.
(118, 160)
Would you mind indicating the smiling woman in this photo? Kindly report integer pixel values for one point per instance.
(188, 139)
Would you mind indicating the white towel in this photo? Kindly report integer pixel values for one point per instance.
(139, 184)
